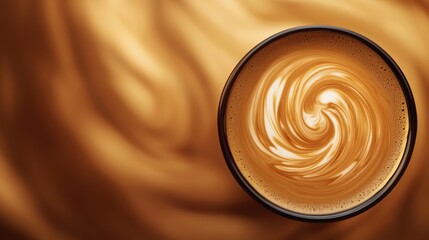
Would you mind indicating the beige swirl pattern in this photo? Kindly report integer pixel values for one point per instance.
(320, 122)
(108, 117)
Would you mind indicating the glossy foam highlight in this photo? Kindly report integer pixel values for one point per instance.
(317, 122)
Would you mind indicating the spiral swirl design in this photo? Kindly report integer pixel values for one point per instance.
(320, 123)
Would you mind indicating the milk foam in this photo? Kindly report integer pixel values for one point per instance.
(317, 122)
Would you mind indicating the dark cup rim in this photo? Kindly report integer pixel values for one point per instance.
(383, 192)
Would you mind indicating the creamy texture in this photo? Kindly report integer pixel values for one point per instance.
(317, 122)
(108, 117)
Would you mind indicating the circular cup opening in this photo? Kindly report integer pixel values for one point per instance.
(377, 197)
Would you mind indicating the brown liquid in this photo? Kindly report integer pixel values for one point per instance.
(317, 122)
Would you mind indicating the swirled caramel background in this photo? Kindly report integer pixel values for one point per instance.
(316, 122)
(108, 117)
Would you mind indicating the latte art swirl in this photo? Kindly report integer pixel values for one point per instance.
(316, 122)
(310, 112)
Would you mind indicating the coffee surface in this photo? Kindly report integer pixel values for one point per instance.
(317, 122)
